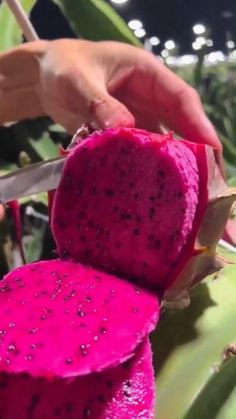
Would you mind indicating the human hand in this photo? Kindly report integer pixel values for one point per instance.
(109, 84)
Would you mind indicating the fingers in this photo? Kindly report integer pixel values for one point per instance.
(19, 104)
(159, 93)
(91, 102)
(180, 107)
(2, 212)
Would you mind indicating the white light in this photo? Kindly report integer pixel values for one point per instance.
(135, 24)
(199, 29)
(154, 40)
(230, 44)
(200, 40)
(188, 59)
(215, 57)
(196, 46)
(209, 43)
(170, 44)
(140, 33)
(233, 54)
(164, 53)
(119, 1)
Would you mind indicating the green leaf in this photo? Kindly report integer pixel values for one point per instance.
(33, 247)
(189, 343)
(217, 399)
(96, 20)
(44, 147)
(11, 34)
(232, 181)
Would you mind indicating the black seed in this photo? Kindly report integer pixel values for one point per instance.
(157, 244)
(65, 254)
(103, 330)
(86, 412)
(109, 384)
(128, 383)
(29, 357)
(127, 364)
(151, 212)
(135, 309)
(32, 331)
(94, 190)
(88, 299)
(137, 290)
(109, 192)
(131, 184)
(83, 350)
(136, 231)
(35, 399)
(125, 216)
(57, 411)
(162, 173)
(101, 398)
(70, 407)
(68, 361)
(81, 313)
(127, 392)
(152, 198)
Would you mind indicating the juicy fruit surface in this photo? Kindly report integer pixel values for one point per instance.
(126, 203)
(63, 319)
(122, 392)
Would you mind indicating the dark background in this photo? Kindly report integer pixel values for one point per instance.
(167, 19)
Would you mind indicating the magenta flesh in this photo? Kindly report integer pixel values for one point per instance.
(126, 204)
(63, 319)
(123, 392)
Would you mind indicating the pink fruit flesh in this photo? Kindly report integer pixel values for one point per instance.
(126, 204)
(63, 319)
(123, 392)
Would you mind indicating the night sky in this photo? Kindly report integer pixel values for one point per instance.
(173, 19)
(167, 19)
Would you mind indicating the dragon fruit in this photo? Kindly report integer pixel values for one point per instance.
(64, 319)
(142, 206)
(125, 391)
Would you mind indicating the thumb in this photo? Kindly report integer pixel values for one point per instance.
(106, 112)
(92, 104)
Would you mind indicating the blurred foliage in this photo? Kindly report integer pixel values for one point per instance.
(217, 88)
(193, 380)
(11, 34)
(188, 349)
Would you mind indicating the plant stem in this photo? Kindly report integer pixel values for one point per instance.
(23, 20)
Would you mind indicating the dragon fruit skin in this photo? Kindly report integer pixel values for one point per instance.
(144, 206)
(122, 392)
(64, 319)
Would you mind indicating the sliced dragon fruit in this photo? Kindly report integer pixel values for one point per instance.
(126, 391)
(64, 319)
(138, 205)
